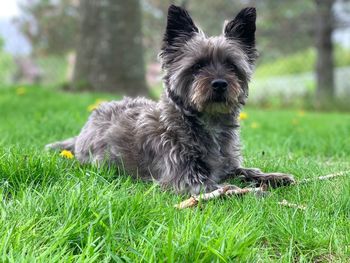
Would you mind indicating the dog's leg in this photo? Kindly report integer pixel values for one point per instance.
(272, 179)
(68, 144)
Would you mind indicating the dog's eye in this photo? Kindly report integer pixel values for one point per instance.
(198, 66)
(232, 67)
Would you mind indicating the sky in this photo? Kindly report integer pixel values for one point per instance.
(8, 8)
(15, 43)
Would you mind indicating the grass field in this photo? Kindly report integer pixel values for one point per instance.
(55, 210)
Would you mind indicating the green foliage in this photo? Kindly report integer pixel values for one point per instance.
(341, 57)
(300, 62)
(1, 43)
(56, 210)
(6, 64)
(283, 27)
(7, 67)
(50, 26)
(54, 68)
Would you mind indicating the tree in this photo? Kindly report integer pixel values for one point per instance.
(284, 27)
(109, 54)
(49, 25)
(325, 65)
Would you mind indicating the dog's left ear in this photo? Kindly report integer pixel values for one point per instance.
(242, 28)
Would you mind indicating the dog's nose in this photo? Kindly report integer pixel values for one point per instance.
(219, 85)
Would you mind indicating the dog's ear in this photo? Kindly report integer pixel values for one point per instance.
(180, 26)
(242, 28)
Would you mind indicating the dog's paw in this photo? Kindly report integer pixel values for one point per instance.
(276, 179)
(259, 177)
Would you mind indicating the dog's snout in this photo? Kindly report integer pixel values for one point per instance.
(219, 85)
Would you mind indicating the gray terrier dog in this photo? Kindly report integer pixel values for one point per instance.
(189, 140)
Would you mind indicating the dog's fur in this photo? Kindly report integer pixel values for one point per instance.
(189, 140)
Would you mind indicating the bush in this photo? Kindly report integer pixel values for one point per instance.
(300, 62)
(7, 67)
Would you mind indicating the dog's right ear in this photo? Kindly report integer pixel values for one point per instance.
(180, 27)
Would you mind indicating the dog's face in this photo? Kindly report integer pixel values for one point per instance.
(208, 74)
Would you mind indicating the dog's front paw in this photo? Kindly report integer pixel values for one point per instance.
(259, 177)
(276, 179)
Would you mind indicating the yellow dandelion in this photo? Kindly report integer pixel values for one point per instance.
(67, 154)
(255, 125)
(95, 105)
(301, 113)
(21, 91)
(243, 116)
(295, 122)
(92, 107)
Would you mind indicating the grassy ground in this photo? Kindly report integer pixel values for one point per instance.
(53, 209)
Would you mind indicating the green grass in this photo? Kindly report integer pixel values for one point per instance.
(55, 210)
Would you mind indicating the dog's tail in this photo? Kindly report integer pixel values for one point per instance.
(68, 144)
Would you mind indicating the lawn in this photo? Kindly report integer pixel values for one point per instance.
(53, 209)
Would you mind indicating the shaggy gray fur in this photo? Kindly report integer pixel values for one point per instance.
(189, 140)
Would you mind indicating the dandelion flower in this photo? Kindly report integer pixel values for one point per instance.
(67, 154)
(255, 125)
(243, 116)
(92, 107)
(301, 113)
(295, 122)
(95, 105)
(21, 91)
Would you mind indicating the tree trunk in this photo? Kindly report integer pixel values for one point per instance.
(109, 52)
(325, 66)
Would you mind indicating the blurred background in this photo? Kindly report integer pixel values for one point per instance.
(112, 45)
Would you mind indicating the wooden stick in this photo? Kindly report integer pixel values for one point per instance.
(240, 191)
(224, 191)
(325, 177)
(235, 190)
(193, 200)
(291, 205)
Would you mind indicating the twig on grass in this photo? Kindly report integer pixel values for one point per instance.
(224, 191)
(235, 190)
(291, 205)
(325, 177)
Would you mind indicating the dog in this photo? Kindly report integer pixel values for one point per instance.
(189, 140)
